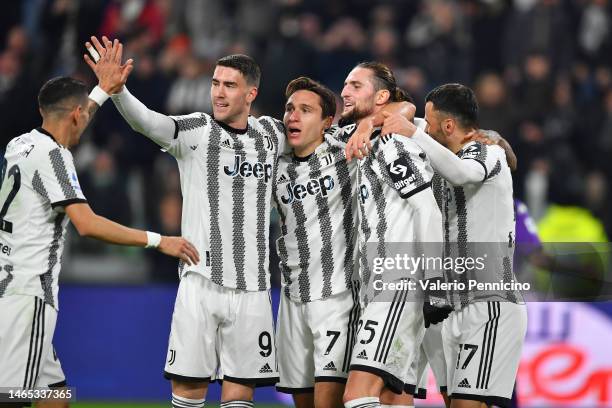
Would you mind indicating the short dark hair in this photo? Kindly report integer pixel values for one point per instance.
(327, 97)
(384, 79)
(58, 90)
(456, 100)
(245, 65)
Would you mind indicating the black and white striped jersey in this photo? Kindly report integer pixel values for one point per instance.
(478, 219)
(226, 180)
(396, 203)
(38, 180)
(316, 200)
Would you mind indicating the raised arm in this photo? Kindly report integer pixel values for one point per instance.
(105, 62)
(156, 126)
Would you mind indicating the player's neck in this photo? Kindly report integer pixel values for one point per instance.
(457, 141)
(240, 122)
(58, 131)
(307, 150)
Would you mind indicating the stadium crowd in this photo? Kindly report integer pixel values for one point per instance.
(541, 69)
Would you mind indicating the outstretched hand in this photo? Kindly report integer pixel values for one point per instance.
(111, 74)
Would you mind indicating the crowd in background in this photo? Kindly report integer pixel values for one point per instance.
(541, 69)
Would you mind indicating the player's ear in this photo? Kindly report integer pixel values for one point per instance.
(448, 126)
(382, 96)
(75, 113)
(251, 94)
(328, 122)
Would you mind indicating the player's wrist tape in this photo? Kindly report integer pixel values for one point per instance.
(153, 239)
(98, 95)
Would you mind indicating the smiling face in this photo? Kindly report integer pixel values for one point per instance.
(358, 95)
(304, 122)
(231, 96)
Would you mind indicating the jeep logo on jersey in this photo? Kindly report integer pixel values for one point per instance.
(363, 193)
(312, 187)
(246, 169)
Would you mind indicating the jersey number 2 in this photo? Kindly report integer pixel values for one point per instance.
(5, 225)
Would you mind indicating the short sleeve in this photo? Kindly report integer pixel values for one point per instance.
(188, 131)
(489, 156)
(55, 179)
(405, 165)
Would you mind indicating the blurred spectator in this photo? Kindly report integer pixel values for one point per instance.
(18, 87)
(536, 89)
(538, 25)
(384, 46)
(497, 110)
(205, 22)
(122, 16)
(343, 46)
(190, 92)
(439, 33)
(594, 32)
(106, 191)
(413, 80)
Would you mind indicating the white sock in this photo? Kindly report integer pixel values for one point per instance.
(365, 402)
(396, 406)
(182, 402)
(237, 404)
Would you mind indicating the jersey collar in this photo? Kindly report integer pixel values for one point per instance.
(232, 129)
(44, 132)
(302, 159)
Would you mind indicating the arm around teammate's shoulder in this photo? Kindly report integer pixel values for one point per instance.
(89, 224)
(456, 171)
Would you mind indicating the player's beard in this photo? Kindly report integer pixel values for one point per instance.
(439, 136)
(357, 113)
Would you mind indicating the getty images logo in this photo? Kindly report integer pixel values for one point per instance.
(313, 187)
(245, 169)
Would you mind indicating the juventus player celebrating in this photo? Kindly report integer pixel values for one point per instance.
(222, 323)
(40, 195)
(314, 194)
(482, 339)
(396, 205)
